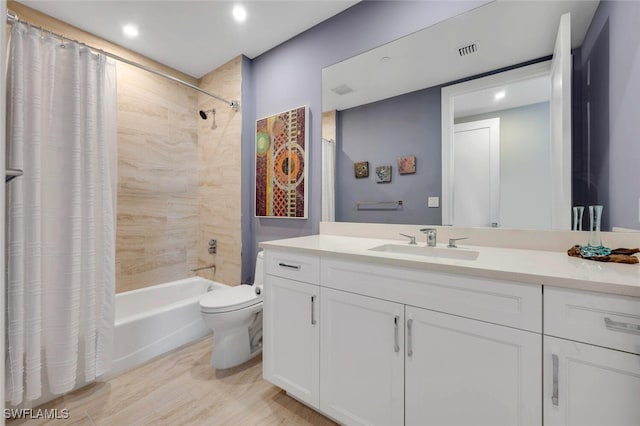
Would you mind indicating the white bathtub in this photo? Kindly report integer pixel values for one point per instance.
(154, 320)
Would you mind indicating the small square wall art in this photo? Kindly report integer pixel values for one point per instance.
(281, 164)
(361, 169)
(383, 174)
(407, 165)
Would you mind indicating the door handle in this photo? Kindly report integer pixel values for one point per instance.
(286, 265)
(313, 310)
(621, 326)
(409, 337)
(396, 335)
(554, 395)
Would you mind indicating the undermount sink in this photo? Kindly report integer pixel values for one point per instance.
(441, 252)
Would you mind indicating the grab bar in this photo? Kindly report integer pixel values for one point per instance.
(378, 205)
(12, 174)
(212, 267)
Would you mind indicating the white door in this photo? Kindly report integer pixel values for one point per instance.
(561, 127)
(466, 372)
(587, 385)
(361, 359)
(291, 337)
(476, 173)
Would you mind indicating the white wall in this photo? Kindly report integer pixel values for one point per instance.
(525, 183)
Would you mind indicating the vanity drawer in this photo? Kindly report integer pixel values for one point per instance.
(513, 304)
(600, 319)
(299, 267)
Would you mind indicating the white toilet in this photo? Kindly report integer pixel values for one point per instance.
(235, 316)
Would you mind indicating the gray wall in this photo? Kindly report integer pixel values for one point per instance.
(525, 165)
(379, 133)
(290, 75)
(613, 45)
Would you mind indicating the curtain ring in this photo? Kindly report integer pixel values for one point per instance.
(62, 41)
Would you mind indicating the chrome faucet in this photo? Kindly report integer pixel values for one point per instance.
(412, 239)
(452, 242)
(431, 236)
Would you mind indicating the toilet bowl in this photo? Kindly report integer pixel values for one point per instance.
(235, 316)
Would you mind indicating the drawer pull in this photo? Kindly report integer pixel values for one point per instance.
(409, 337)
(621, 326)
(313, 310)
(396, 336)
(285, 265)
(554, 396)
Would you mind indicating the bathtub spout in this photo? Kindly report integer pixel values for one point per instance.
(212, 267)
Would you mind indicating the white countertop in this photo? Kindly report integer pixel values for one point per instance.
(530, 266)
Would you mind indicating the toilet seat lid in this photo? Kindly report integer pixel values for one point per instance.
(229, 299)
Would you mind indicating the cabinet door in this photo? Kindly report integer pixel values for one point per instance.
(467, 372)
(291, 337)
(587, 385)
(361, 359)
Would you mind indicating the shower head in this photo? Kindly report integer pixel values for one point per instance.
(203, 114)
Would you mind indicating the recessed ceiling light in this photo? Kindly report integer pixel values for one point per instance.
(499, 95)
(385, 59)
(239, 13)
(130, 30)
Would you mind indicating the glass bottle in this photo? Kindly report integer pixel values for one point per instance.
(577, 218)
(595, 247)
(595, 216)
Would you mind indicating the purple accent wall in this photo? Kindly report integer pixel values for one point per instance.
(290, 75)
(612, 44)
(379, 133)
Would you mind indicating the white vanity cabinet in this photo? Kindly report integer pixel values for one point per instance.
(361, 359)
(466, 372)
(291, 334)
(403, 346)
(591, 359)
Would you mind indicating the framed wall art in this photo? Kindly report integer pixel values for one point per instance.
(407, 165)
(383, 174)
(281, 163)
(361, 169)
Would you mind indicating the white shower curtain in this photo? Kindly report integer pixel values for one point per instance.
(328, 180)
(61, 121)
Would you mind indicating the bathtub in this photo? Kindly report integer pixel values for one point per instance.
(154, 320)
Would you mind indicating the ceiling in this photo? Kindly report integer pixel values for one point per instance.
(194, 37)
(525, 92)
(506, 32)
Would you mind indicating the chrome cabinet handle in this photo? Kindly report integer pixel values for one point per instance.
(285, 265)
(396, 336)
(313, 310)
(554, 396)
(409, 337)
(621, 326)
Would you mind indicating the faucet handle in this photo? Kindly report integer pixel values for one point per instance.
(452, 241)
(412, 239)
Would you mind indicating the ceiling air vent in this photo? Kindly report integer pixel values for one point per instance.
(469, 49)
(342, 89)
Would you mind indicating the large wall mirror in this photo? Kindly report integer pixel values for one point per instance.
(384, 107)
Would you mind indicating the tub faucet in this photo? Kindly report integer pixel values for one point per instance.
(431, 236)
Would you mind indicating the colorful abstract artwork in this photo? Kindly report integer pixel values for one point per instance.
(383, 174)
(281, 164)
(361, 169)
(407, 165)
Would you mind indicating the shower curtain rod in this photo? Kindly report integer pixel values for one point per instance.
(234, 104)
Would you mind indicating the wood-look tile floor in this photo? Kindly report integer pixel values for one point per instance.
(181, 388)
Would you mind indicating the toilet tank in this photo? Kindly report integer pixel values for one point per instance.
(258, 276)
